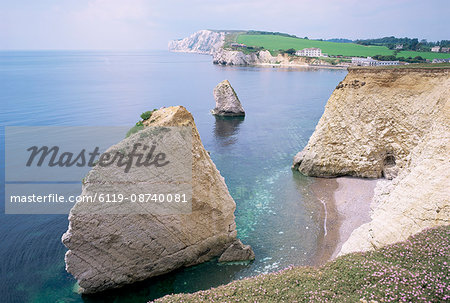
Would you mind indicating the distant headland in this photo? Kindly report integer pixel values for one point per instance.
(260, 48)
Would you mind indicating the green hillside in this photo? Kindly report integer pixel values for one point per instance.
(277, 42)
(426, 55)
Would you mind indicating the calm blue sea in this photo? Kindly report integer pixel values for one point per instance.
(276, 212)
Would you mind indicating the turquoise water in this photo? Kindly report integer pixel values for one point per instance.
(276, 212)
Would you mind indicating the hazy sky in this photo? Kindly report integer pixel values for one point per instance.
(150, 24)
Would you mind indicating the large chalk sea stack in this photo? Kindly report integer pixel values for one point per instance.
(108, 250)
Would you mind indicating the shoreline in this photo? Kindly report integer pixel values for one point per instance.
(347, 205)
(292, 66)
(273, 65)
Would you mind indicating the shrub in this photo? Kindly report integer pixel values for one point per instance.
(146, 115)
(140, 124)
(290, 51)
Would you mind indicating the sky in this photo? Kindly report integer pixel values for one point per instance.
(151, 24)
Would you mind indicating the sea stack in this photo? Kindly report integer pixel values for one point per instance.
(227, 102)
(109, 250)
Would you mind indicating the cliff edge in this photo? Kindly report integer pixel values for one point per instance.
(393, 123)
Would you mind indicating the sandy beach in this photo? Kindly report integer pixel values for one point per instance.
(346, 205)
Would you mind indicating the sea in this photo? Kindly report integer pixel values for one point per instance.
(276, 211)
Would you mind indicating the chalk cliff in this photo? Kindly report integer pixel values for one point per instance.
(213, 42)
(263, 58)
(417, 199)
(231, 57)
(111, 250)
(393, 123)
(201, 42)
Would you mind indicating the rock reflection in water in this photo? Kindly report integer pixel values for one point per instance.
(226, 129)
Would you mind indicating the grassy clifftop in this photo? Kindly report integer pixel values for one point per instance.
(416, 270)
(277, 42)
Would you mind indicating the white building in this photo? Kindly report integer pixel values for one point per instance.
(441, 60)
(435, 49)
(362, 61)
(309, 52)
(369, 61)
(379, 63)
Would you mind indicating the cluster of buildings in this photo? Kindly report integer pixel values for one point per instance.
(369, 61)
(358, 61)
(438, 49)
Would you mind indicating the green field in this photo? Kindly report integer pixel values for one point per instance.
(426, 55)
(274, 43)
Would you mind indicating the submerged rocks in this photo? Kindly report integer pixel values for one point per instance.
(227, 102)
(237, 252)
(108, 250)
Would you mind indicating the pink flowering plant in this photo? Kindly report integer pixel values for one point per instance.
(416, 270)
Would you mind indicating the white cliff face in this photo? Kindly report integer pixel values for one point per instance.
(227, 102)
(229, 57)
(261, 58)
(372, 122)
(418, 198)
(393, 123)
(111, 250)
(201, 42)
(212, 43)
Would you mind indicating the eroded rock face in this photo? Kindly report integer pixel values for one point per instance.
(393, 123)
(418, 198)
(262, 58)
(372, 122)
(227, 102)
(111, 250)
(231, 57)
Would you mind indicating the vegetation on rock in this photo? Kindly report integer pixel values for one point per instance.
(146, 115)
(140, 124)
